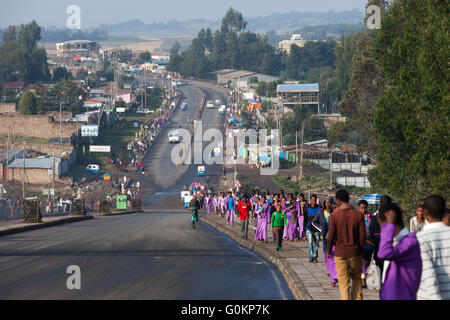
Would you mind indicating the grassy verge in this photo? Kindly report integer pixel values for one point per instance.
(313, 182)
(25, 139)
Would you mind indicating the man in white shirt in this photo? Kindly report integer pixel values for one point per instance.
(434, 242)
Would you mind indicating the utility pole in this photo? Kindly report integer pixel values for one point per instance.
(7, 153)
(296, 147)
(301, 152)
(331, 163)
(53, 180)
(60, 126)
(23, 172)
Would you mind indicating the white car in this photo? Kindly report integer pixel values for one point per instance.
(174, 136)
(146, 111)
(210, 104)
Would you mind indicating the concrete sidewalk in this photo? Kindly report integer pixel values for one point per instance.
(46, 222)
(306, 280)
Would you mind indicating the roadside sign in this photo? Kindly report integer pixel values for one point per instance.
(89, 131)
(99, 148)
(2, 190)
(120, 109)
(121, 203)
(47, 192)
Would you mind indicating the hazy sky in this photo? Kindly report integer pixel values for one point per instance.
(95, 12)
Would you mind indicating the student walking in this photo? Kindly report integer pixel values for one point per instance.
(302, 211)
(312, 233)
(215, 203)
(290, 207)
(400, 251)
(322, 220)
(347, 233)
(417, 222)
(363, 205)
(231, 208)
(262, 212)
(279, 221)
(244, 206)
(435, 252)
(208, 203)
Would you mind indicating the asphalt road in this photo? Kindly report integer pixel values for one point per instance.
(150, 255)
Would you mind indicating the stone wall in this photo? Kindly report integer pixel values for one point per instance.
(7, 108)
(39, 126)
(32, 176)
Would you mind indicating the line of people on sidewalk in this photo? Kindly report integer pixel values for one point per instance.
(351, 239)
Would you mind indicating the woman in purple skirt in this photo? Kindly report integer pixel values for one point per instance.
(208, 203)
(215, 204)
(302, 210)
(262, 210)
(321, 221)
(290, 209)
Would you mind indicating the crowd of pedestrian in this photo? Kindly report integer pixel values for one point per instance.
(409, 264)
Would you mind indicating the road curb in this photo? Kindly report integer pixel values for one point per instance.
(115, 213)
(294, 283)
(42, 225)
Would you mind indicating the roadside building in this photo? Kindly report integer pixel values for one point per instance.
(80, 48)
(296, 39)
(8, 157)
(234, 76)
(298, 94)
(35, 170)
(15, 86)
(329, 119)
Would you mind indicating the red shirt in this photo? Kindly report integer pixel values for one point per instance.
(244, 209)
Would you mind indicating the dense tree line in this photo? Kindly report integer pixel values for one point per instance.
(62, 35)
(230, 47)
(40, 99)
(412, 113)
(21, 59)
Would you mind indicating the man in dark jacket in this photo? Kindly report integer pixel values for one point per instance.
(194, 206)
(347, 232)
(312, 233)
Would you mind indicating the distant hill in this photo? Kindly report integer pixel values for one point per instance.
(280, 22)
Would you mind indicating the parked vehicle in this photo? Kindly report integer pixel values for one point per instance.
(93, 168)
(145, 111)
(183, 106)
(174, 136)
(210, 104)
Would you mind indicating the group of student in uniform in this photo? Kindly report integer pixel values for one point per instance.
(406, 259)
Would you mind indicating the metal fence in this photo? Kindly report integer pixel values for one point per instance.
(362, 182)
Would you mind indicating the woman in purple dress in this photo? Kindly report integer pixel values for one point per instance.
(208, 203)
(302, 210)
(290, 210)
(400, 251)
(262, 210)
(322, 220)
(215, 203)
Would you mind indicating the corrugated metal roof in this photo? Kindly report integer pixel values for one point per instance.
(37, 163)
(11, 153)
(238, 74)
(298, 87)
(96, 91)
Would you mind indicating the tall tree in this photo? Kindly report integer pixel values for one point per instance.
(27, 103)
(412, 114)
